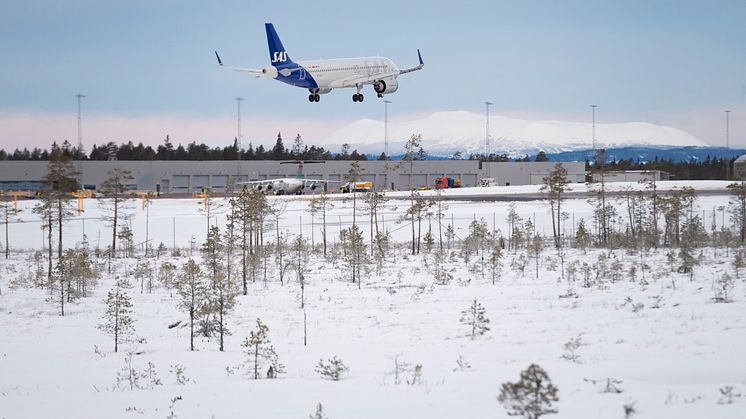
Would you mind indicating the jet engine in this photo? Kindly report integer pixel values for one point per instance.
(270, 72)
(385, 86)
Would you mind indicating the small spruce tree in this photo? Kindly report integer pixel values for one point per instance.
(474, 317)
(333, 369)
(530, 397)
(118, 317)
(319, 412)
(259, 352)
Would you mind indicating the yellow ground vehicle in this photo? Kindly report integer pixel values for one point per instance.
(348, 187)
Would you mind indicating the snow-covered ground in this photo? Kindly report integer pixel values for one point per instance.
(176, 221)
(671, 346)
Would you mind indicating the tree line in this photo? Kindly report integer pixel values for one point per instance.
(191, 152)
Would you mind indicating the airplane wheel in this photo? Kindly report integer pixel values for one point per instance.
(354, 97)
(380, 95)
(359, 97)
(311, 98)
(316, 98)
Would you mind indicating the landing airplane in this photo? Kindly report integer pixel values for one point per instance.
(321, 76)
(287, 186)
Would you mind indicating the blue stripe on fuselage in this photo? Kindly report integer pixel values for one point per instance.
(294, 72)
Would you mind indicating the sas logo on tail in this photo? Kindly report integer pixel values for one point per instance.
(279, 56)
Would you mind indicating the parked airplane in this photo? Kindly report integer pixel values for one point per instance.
(287, 186)
(321, 76)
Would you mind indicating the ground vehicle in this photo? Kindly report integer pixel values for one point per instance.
(447, 182)
(488, 181)
(356, 187)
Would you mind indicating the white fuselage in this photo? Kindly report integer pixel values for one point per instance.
(348, 72)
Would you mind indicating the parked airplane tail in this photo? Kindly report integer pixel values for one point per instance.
(277, 54)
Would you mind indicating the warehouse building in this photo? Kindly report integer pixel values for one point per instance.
(179, 177)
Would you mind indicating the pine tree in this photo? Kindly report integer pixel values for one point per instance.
(319, 412)
(555, 184)
(118, 317)
(260, 352)
(737, 208)
(582, 236)
(7, 212)
(495, 262)
(114, 195)
(333, 369)
(536, 246)
(59, 182)
(532, 396)
(192, 292)
(410, 156)
(474, 317)
(45, 210)
(222, 295)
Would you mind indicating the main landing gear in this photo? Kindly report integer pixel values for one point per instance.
(358, 97)
(314, 96)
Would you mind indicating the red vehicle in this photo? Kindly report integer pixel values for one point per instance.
(447, 182)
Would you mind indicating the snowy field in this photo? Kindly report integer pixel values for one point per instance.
(177, 222)
(670, 347)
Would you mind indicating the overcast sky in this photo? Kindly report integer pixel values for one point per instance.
(147, 67)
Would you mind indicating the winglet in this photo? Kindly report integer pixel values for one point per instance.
(220, 62)
(418, 67)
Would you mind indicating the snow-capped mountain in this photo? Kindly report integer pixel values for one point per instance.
(444, 133)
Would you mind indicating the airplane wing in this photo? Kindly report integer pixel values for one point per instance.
(359, 79)
(419, 67)
(305, 181)
(255, 71)
(257, 182)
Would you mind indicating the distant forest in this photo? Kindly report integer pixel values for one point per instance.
(192, 151)
(709, 168)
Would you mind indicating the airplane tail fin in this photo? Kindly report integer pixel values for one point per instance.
(277, 53)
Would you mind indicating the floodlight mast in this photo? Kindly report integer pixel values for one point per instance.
(487, 136)
(80, 139)
(727, 144)
(238, 135)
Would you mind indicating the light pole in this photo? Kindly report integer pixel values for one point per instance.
(386, 142)
(487, 135)
(593, 128)
(238, 137)
(80, 139)
(727, 144)
(487, 129)
(386, 128)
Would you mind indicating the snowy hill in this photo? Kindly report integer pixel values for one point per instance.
(447, 132)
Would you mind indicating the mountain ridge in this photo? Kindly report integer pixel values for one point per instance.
(444, 133)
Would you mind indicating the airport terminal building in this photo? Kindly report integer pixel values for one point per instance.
(179, 177)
